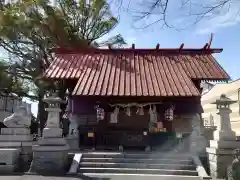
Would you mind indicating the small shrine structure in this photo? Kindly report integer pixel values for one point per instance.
(135, 98)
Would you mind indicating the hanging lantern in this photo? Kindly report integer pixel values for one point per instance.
(169, 114)
(100, 111)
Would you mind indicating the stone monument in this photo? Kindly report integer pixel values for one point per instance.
(50, 153)
(16, 140)
(224, 140)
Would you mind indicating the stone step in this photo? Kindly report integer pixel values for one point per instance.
(138, 160)
(7, 168)
(136, 155)
(119, 176)
(137, 165)
(138, 171)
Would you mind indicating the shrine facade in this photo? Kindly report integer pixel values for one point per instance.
(135, 98)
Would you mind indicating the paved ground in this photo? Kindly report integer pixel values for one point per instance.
(32, 177)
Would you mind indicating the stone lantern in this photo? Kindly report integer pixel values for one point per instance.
(53, 110)
(224, 140)
(224, 102)
(50, 155)
(224, 130)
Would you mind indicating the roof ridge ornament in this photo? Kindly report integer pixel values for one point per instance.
(181, 47)
(133, 46)
(205, 46)
(210, 41)
(208, 45)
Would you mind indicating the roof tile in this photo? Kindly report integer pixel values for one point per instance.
(135, 73)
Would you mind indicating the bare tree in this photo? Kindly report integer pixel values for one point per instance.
(168, 12)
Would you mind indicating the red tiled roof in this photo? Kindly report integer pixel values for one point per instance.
(136, 72)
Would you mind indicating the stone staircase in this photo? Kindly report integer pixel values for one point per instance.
(137, 163)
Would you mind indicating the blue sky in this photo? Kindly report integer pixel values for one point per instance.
(227, 38)
(225, 31)
(225, 28)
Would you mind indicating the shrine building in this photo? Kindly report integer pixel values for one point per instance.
(134, 98)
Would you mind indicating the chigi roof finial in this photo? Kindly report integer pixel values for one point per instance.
(133, 46)
(181, 47)
(210, 40)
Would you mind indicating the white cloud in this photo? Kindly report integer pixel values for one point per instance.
(229, 19)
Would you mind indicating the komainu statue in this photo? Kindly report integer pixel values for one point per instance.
(234, 169)
(20, 118)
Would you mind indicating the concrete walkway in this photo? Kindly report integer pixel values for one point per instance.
(108, 177)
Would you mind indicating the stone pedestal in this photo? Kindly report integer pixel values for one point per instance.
(50, 153)
(220, 156)
(220, 151)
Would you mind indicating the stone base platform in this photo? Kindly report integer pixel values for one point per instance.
(52, 132)
(219, 160)
(224, 135)
(6, 169)
(15, 131)
(224, 144)
(9, 156)
(17, 138)
(51, 141)
(220, 156)
(49, 161)
(8, 159)
(73, 142)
